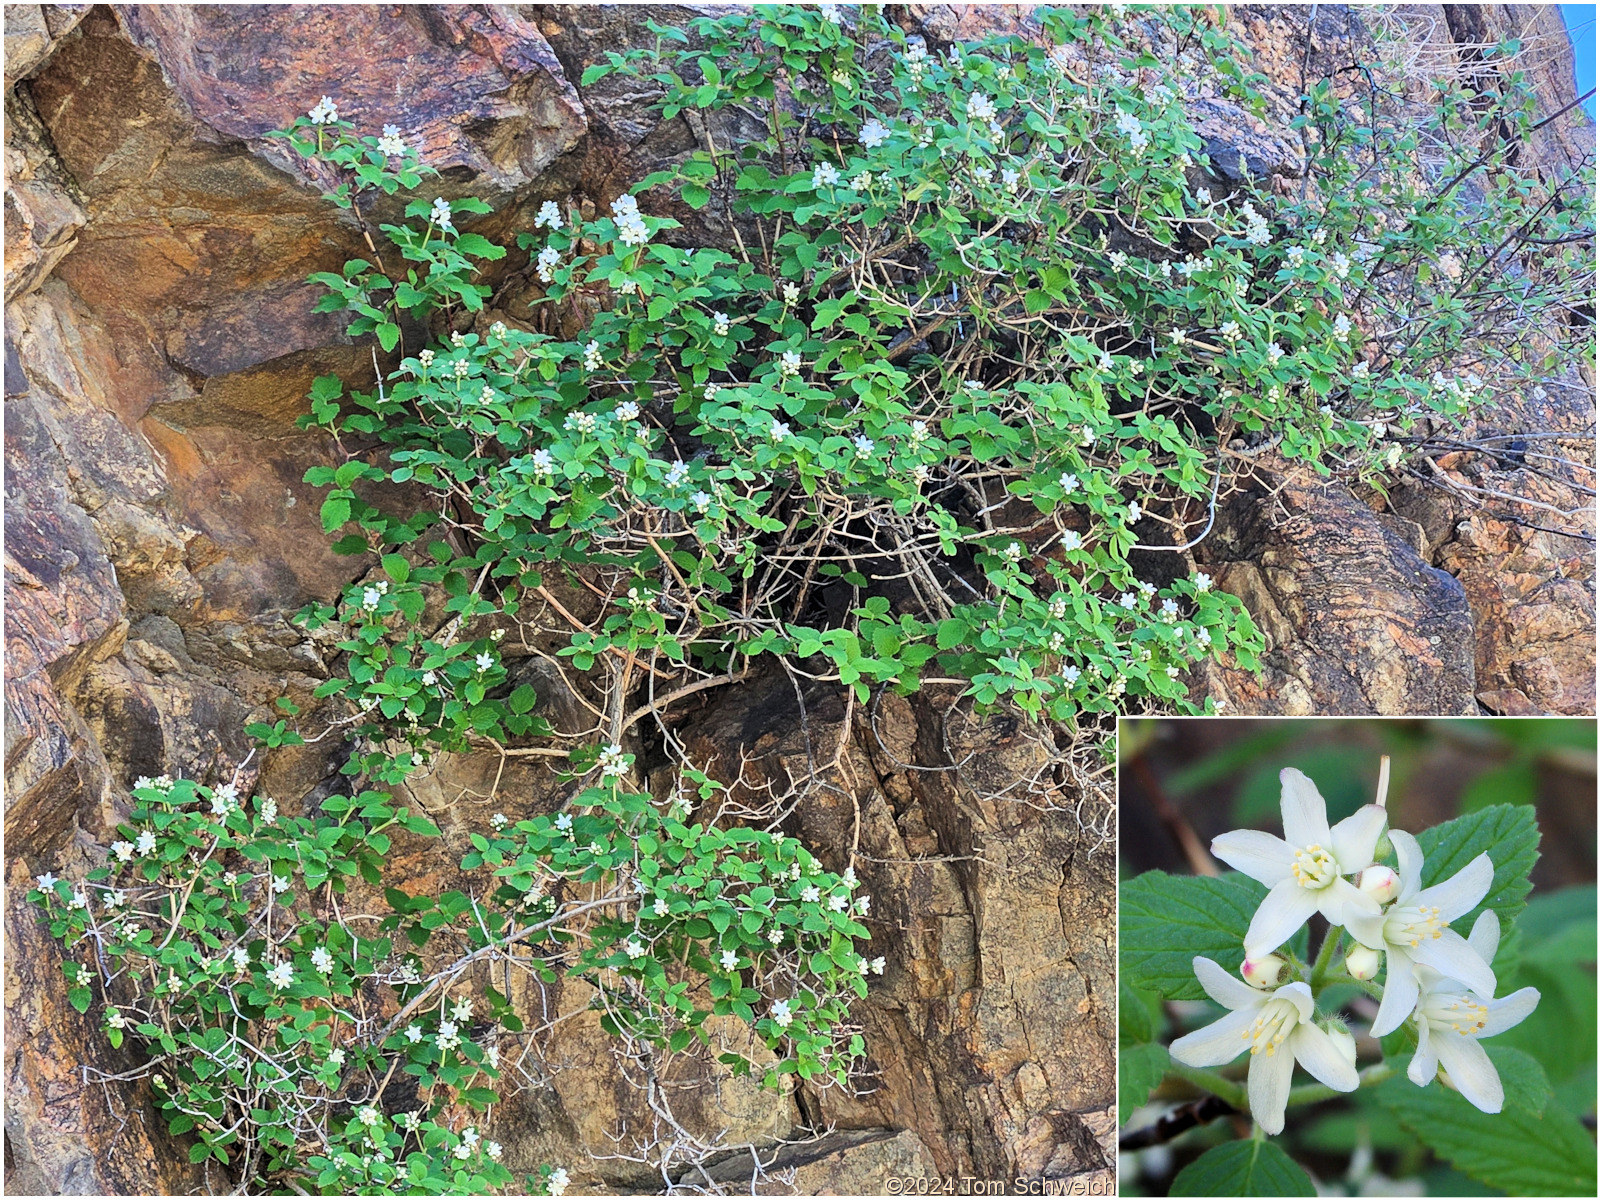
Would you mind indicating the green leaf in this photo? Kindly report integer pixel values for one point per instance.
(1139, 1068)
(1507, 833)
(696, 196)
(1135, 1023)
(396, 567)
(1169, 919)
(1517, 1151)
(1248, 1168)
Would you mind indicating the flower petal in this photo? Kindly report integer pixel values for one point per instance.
(1264, 858)
(1462, 892)
(1451, 956)
(1299, 995)
(1317, 1054)
(1217, 1043)
(1485, 935)
(1470, 1070)
(1285, 909)
(1345, 904)
(1353, 839)
(1408, 862)
(1227, 990)
(1425, 1062)
(1399, 993)
(1268, 1087)
(1509, 1011)
(1305, 813)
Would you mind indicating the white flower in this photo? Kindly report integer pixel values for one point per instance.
(779, 431)
(484, 660)
(861, 182)
(730, 960)
(1341, 328)
(863, 904)
(549, 214)
(116, 1020)
(123, 851)
(322, 960)
(877, 965)
(1267, 1022)
(701, 501)
(1256, 231)
(825, 175)
(863, 966)
(336, 1057)
(391, 143)
(281, 976)
(324, 113)
(775, 936)
(118, 899)
(611, 762)
(661, 908)
(1416, 930)
(980, 107)
(1128, 600)
(720, 324)
(486, 396)
(1010, 178)
(631, 230)
(1203, 195)
(874, 133)
(789, 363)
(241, 959)
(634, 948)
(1202, 582)
(558, 1182)
(498, 820)
(461, 1010)
(811, 895)
(492, 1149)
(1450, 1022)
(463, 1150)
(80, 899)
(368, 1115)
(413, 1033)
(147, 842)
(1274, 353)
(780, 1014)
(449, 1035)
(1341, 263)
(441, 214)
(545, 264)
(1128, 125)
(564, 822)
(864, 446)
(280, 884)
(838, 903)
(627, 410)
(1306, 872)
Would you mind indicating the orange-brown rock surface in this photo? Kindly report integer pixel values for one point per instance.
(159, 342)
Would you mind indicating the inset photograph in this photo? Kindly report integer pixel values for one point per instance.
(1357, 957)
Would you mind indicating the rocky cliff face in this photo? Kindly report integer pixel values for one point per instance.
(160, 339)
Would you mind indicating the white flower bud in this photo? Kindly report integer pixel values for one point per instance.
(1343, 1042)
(1381, 883)
(1363, 963)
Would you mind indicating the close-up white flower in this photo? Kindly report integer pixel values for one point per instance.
(1416, 932)
(1276, 1027)
(1306, 873)
(1450, 1021)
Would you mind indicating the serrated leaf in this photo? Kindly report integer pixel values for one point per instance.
(1166, 920)
(1510, 837)
(1516, 1151)
(1139, 1068)
(1248, 1168)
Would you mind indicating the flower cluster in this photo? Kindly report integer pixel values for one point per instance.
(1440, 982)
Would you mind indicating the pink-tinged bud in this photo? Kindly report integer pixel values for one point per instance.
(1262, 972)
(1381, 883)
(1363, 963)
